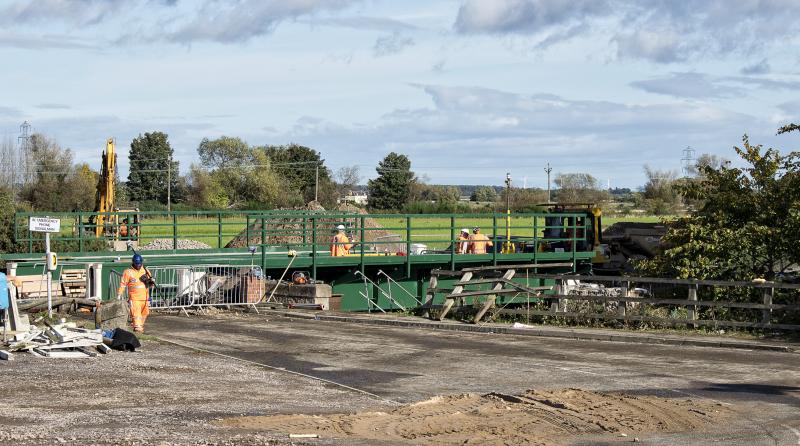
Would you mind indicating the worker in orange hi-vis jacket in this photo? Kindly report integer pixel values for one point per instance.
(340, 246)
(478, 242)
(462, 242)
(137, 279)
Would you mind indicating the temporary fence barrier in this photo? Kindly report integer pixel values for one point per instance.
(183, 287)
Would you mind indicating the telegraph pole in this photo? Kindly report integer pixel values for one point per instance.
(548, 169)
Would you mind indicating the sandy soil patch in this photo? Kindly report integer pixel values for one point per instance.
(533, 418)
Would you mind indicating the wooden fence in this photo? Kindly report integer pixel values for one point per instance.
(670, 302)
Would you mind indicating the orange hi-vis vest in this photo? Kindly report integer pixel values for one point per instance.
(479, 243)
(341, 245)
(132, 279)
(462, 245)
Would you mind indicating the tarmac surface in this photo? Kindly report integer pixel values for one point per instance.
(235, 367)
(405, 365)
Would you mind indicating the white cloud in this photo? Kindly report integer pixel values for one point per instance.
(43, 42)
(686, 85)
(654, 30)
(76, 12)
(242, 20)
(703, 86)
(53, 106)
(498, 130)
(523, 16)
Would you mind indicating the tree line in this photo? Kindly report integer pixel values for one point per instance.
(232, 174)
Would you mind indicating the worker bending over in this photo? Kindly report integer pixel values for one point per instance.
(462, 242)
(478, 242)
(137, 279)
(341, 244)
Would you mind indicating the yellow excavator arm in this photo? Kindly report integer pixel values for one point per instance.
(105, 188)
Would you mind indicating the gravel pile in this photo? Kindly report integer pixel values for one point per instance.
(166, 243)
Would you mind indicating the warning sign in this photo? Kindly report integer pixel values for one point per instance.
(44, 224)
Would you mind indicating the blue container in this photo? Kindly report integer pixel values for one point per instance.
(3, 292)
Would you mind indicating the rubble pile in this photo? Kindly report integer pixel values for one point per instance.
(166, 243)
(64, 340)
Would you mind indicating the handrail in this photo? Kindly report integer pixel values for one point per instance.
(394, 282)
(530, 229)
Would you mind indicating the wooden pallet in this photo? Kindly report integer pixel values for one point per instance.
(73, 282)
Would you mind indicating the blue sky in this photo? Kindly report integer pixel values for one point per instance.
(468, 89)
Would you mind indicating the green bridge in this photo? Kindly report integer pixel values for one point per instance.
(405, 247)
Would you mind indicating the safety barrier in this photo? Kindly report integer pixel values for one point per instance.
(183, 287)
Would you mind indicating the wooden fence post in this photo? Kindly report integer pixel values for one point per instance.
(766, 313)
(559, 289)
(692, 310)
(622, 305)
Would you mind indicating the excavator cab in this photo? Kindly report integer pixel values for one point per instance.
(586, 228)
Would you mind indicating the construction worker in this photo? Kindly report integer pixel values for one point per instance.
(478, 242)
(137, 279)
(462, 243)
(341, 244)
(123, 229)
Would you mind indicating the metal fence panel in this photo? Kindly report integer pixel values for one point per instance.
(182, 287)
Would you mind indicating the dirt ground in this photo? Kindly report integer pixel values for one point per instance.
(255, 379)
(535, 418)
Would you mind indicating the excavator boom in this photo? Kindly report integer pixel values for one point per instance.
(105, 188)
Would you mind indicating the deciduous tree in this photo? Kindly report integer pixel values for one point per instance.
(748, 225)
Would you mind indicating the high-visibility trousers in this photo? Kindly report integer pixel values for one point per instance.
(139, 311)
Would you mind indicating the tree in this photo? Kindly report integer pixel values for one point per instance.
(523, 199)
(660, 195)
(347, 178)
(53, 166)
(578, 188)
(7, 212)
(150, 158)
(80, 188)
(206, 192)
(304, 169)
(234, 174)
(224, 152)
(748, 225)
(390, 190)
(484, 194)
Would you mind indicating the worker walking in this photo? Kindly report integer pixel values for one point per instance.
(478, 242)
(462, 242)
(340, 246)
(137, 279)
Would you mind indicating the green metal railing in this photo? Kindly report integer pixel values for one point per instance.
(437, 232)
(310, 234)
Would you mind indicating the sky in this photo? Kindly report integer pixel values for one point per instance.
(467, 89)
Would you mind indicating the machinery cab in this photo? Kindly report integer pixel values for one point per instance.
(585, 227)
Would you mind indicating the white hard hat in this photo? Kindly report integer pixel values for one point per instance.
(340, 227)
(465, 230)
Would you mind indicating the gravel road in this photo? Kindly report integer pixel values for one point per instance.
(167, 394)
